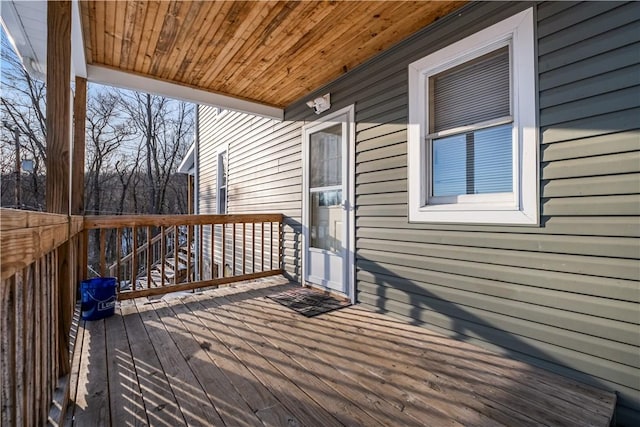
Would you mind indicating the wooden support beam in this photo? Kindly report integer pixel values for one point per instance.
(77, 186)
(58, 173)
(58, 105)
(77, 168)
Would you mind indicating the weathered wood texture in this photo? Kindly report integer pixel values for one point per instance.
(38, 300)
(27, 236)
(232, 357)
(273, 52)
(171, 257)
(58, 105)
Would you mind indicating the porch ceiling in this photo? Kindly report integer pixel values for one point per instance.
(270, 52)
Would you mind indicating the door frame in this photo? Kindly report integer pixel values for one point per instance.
(349, 259)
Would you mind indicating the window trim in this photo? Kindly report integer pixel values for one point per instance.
(222, 151)
(521, 207)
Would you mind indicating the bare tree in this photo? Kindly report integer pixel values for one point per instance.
(128, 171)
(106, 132)
(23, 105)
(165, 127)
(122, 126)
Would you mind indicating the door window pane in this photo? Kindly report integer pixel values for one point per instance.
(477, 162)
(325, 230)
(325, 157)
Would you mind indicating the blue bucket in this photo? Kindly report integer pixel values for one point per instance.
(98, 297)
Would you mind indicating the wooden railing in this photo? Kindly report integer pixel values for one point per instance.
(38, 258)
(43, 257)
(122, 267)
(182, 252)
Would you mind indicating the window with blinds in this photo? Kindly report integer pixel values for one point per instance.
(470, 142)
(472, 134)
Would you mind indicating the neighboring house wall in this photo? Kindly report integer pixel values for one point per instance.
(564, 294)
(264, 172)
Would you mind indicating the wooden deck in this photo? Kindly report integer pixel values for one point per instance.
(232, 357)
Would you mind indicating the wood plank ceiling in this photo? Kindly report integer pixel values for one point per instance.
(272, 52)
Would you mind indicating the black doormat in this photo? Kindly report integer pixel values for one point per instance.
(308, 302)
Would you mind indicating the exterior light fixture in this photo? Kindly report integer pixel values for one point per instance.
(320, 104)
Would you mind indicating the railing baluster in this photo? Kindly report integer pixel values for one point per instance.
(8, 324)
(280, 245)
(118, 256)
(271, 246)
(134, 257)
(213, 253)
(20, 348)
(44, 333)
(262, 247)
(189, 240)
(244, 245)
(29, 371)
(200, 252)
(233, 251)
(103, 255)
(85, 255)
(176, 243)
(53, 324)
(253, 246)
(224, 253)
(148, 252)
(163, 242)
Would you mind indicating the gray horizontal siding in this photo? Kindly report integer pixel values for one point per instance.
(569, 226)
(564, 295)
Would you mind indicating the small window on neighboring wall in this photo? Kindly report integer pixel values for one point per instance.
(221, 195)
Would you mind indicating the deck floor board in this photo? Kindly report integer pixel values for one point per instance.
(232, 357)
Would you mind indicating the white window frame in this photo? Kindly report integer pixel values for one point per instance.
(519, 207)
(222, 151)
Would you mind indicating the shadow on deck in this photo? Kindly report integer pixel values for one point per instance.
(232, 357)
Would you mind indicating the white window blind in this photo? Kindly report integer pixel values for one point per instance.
(473, 92)
(473, 163)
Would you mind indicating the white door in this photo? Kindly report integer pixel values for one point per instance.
(327, 205)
